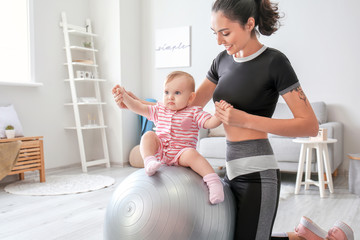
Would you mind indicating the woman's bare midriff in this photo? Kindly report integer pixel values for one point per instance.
(236, 134)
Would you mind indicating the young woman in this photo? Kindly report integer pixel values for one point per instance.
(245, 81)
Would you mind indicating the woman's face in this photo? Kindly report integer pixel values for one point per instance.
(231, 34)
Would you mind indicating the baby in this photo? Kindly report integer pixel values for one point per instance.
(177, 125)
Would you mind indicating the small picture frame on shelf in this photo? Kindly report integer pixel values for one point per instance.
(80, 74)
(89, 74)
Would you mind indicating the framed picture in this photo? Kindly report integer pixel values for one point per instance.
(172, 47)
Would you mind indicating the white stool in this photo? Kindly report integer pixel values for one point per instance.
(322, 155)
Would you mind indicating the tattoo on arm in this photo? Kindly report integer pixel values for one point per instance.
(301, 93)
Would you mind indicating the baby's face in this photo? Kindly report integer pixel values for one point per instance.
(177, 93)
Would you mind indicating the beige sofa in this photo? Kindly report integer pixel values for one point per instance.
(212, 142)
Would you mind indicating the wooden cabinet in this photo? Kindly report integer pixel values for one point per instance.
(31, 156)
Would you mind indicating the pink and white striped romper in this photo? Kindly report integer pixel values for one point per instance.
(177, 130)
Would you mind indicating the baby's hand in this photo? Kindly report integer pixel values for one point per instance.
(229, 115)
(118, 93)
(224, 105)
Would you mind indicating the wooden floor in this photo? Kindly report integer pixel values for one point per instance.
(81, 216)
(341, 205)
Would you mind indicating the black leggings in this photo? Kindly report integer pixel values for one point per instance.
(257, 197)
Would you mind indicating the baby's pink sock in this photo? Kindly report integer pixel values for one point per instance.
(216, 190)
(151, 165)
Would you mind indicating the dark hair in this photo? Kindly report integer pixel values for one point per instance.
(264, 12)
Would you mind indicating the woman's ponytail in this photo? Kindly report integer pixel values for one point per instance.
(268, 17)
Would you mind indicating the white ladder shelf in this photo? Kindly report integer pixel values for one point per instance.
(86, 34)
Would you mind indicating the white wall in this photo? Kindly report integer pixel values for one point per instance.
(41, 109)
(131, 55)
(106, 23)
(159, 14)
(319, 37)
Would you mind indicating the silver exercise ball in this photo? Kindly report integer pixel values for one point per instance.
(172, 204)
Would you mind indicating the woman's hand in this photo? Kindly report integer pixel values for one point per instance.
(228, 115)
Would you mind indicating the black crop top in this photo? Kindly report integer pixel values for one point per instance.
(253, 84)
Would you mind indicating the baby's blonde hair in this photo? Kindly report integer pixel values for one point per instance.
(188, 76)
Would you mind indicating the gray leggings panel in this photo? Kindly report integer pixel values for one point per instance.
(257, 196)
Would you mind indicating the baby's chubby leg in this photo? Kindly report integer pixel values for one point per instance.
(149, 145)
(191, 158)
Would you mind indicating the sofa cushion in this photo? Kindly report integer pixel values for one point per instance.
(285, 150)
(217, 132)
(282, 111)
(8, 116)
(320, 111)
(213, 147)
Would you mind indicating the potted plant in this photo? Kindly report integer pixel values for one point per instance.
(9, 131)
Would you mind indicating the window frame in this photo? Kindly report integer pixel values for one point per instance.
(31, 51)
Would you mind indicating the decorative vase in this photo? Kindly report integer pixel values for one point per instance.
(10, 133)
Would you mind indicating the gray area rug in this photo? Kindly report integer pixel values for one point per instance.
(60, 185)
(72, 184)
